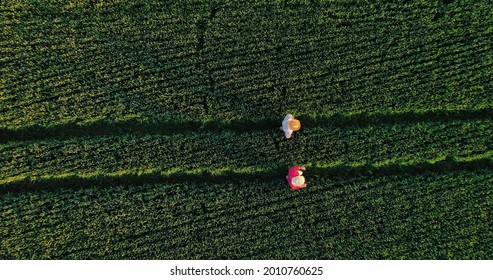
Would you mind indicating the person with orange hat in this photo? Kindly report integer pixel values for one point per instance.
(290, 124)
(295, 177)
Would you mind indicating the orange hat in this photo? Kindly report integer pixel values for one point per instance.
(294, 125)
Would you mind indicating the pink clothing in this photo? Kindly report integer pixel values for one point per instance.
(293, 172)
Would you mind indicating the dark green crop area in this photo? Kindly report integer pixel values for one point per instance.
(148, 129)
(432, 215)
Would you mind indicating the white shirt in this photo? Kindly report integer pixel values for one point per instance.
(285, 126)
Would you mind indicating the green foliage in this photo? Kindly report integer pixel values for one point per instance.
(79, 61)
(427, 216)
(149, 129)
(265, 149)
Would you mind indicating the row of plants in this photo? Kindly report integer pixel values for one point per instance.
(249, 151)
(431, 215)
(225, 60)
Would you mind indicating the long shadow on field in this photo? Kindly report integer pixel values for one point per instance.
(168, 127)
(277, 173)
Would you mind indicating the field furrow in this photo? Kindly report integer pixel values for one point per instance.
(198, 151)
(402, 215)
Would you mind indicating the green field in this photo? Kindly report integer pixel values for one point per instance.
(148, 129)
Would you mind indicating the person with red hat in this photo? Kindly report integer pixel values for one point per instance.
(295, 177)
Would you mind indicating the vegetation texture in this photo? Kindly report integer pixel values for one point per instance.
(148, 129)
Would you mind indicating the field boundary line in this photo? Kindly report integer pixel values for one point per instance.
(176, 126)
(154, 176)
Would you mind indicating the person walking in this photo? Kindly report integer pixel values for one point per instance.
(295, 177)
(290, 124)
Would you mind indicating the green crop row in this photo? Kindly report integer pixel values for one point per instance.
(92, 60)
(176, 125)
(427, 216)
(348, 58)
(109, 62)
(196, 152)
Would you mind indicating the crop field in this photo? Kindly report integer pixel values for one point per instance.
(149, 129)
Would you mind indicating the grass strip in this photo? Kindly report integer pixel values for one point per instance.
(139, 177)
(176, 125)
